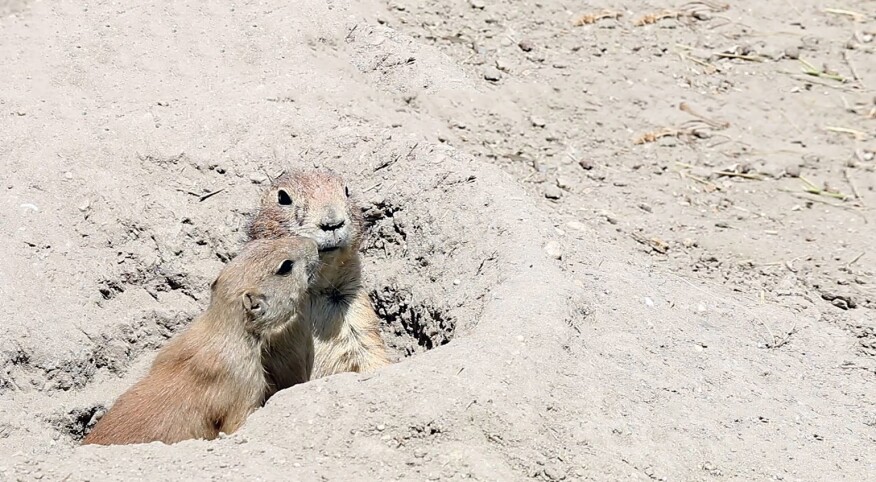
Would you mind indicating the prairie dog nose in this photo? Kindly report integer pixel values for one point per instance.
(332, 221)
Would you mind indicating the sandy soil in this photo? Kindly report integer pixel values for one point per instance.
(581, 279)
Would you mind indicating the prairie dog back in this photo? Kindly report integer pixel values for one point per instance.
(209, 378)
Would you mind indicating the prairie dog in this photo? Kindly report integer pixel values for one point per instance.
(318, 204)
(209, 378)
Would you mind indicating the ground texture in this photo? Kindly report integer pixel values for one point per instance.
(613, 241)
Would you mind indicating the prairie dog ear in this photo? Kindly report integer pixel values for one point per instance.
(254, 303)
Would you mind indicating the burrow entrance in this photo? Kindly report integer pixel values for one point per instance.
(403, 286)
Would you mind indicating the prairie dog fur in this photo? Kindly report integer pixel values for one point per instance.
(209, 378)
(318, 204)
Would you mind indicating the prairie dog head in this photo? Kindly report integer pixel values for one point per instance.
(267, 279)
(314, 203)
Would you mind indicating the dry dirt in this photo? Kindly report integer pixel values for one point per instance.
(580, 279)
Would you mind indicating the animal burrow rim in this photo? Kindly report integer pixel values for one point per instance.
(77, 422)
(410, 327)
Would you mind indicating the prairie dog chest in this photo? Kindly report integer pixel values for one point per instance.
(327, 311)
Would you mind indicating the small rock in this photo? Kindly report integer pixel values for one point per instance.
(668, 141)
(537, 121)
(649, 302)
(525, 45)
(554, 250)
(257, 178)
(792, 171)
(456, 282)
(554, 473)
(492, 74)
(553, 192)
(792, 53)
(563, 183)
(477, 4)
(576, 225)
(586, 164)
(608, 217)
(381, 427)
(503, 65)
(68, 175)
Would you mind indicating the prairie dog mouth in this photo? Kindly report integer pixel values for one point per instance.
(333, 243)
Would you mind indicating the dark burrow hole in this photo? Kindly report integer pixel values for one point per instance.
(409, 327)
(77, 422)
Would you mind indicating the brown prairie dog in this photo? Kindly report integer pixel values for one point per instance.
(317, 204)
(209, 378)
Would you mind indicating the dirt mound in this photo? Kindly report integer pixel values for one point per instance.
(135, 150)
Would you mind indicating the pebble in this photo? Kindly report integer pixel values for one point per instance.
(503, 65)
(563, 183)
(537, 121)
(792, 53)
(553, 192)
(586, 164)
(610, 217)
(525, 45)
(668, 141)
(576, 225)
(554, 250)
(257, 178)
(492, 74)
(68, 175)
(792, 171)
(477, 4)
(554, 473)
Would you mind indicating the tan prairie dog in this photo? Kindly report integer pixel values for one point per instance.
(209, 378)
(317, 204)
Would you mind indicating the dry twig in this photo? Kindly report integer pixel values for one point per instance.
(811, 70)
(711, 122)
(859, 135)
(856, 16)
(811, 188)
(591, 18)
(697, 10)
(852, 185)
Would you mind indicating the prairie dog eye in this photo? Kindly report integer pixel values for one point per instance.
(283, 198)
(285, 267)
(347, 191)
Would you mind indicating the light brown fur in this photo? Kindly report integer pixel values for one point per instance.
(209, 378)
(318, 204)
